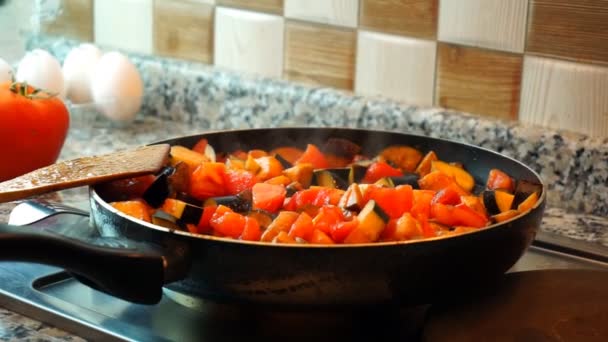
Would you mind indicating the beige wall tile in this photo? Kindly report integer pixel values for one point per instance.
(320, 54)
(334, 12)
(124, 24)
(249, 41)
(397, 67)
(494, 24)
(574, 29)
(270, 6)
(478, 81)
(414, 18)
(75, 20)
(192, 38)
(565, 95)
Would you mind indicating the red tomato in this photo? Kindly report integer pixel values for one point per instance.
(268, 197)
(468, 217)
(200, 146)
(341, 230)
(239, 180)
(422, 203)
(319, 237)
(302, 227)
(204, 223)
(446, 196)
(327, 217)
(252, 231)
(394, 201)
(500, 180)
(313, 156)
(380, 170)
(33, 129)
(208, 180)
(229, 224)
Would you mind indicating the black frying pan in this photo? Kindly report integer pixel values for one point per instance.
(142, 258)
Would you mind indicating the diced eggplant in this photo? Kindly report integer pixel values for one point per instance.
(164, 219)
(497, 201)
(293, 188)
(385, 182)
(240, 203)
(341, 147)
(352, 198)
(301, 173)
(179, 179)
(330, 179)
(409, 178)
(286, 164)
(357, 172)
(372, 221)
(523, 190)
(184, 212)
(185, 197)
(191, 214)
(263, 218)
(159, 190)
(489, 201)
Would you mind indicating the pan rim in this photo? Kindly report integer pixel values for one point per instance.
(501, 225)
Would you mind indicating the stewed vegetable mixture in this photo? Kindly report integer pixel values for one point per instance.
(325, 194)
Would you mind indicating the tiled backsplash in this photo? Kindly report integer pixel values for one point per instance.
(538, 61)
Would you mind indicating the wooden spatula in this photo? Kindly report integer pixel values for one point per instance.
(86, 171)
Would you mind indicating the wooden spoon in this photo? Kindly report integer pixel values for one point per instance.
(86, 171)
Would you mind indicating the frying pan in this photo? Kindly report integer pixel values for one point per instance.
(135, 260)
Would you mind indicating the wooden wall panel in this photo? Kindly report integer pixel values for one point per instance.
(576, 29)
(270, 6)
(192, 38)
(478, 81)
(320, 55)
(75, 21)
(414, 18)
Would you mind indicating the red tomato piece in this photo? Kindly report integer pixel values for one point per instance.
(394, 201)
(427, 230)
(269, 167)
(268, 197)
(204, 223)
(229, 224)
(421, 206)
(208, 180)
(341, 230)
(465, 216)
(328, 216)
(321, 238)
(200, 146)
(444, 214)
(404, 228)
(500, 180)
(238, 181)
(251, 231)
(302, 227)
(379, 170)
(446, 196)
(314, 156)
(302, 198)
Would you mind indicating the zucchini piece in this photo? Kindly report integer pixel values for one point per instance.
(409, 178)
(284, 163)
(158, 191)
(164, 219)
(523, 190)
(329, 179)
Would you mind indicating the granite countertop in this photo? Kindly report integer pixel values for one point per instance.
(184, 98)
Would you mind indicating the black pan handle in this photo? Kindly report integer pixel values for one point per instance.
(125, 269)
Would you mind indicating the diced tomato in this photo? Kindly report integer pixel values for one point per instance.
(321, 238)
(208, 180)
(239, 154)
(446, 196)
(379, 170)
(394, 201)
(268, 197)
(291, 154)
(437, 180)
(427, 230)
(229, 224)
(328, 216)
(404, 228)
(302, 198)
(136, 208)
(468, 217)
(341, 230)
(279, 180)
(200, 146)
(283, 237)
(238, 181)
(252, 231)
(314, 156)
(281, 223)
(302, 227)
(421, 206)
(336, 161)
(444, 214)
(500, 180)
(204, 223)
(269, 167)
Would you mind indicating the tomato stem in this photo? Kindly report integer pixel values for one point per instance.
(22, 88)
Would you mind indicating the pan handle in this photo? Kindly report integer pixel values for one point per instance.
(126, 269)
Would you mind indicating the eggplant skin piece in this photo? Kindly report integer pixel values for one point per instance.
(286, 164)
(332, 178)
(240, 203)
(164, 219)
(409, 178)
(489, 201)
(158, 191)
(523, 189)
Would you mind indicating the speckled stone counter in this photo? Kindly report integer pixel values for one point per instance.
(185, 98)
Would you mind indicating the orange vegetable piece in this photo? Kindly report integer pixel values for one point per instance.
(504, 200)
(394, 201)
(474, 203)
(135, 208)
(291, 154)
(238, 181)
(302, 227)
(301, 173)
(341, 230)
(326, 217)
(204, 223)
(425, 165)
(528, 203)
(314, 156)
(497, 179)
(257, 153)
(251, 231)
(379, 170)
(404, 157)
(229, 224)
(404, 228)
(268, 197)
(437, 180)
(460, 175)
(320, 238)
(421, 206)
(269, 167)
(200, 146)
(509, 214)
(283, 237)
(281, 223)
(185, 155)
(279, 180)
(336, 161)
(208, 180)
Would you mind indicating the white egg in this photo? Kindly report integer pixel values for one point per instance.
(117, 87)
(78, 69)
(6, 72)
(41, 70)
